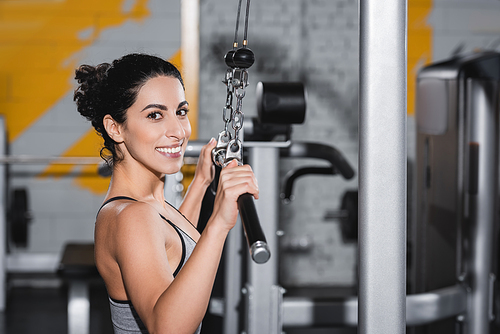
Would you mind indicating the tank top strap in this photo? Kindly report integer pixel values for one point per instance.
(116, 198)
(183, 244)
(181, 214)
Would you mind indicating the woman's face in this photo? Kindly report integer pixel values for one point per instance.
(157, 128)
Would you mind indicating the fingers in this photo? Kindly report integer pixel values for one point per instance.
(211, 144)
(238, 180)
(234, 181)
(206, 150)
(205, 169)
(232, 164)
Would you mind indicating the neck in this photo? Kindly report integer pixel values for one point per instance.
(138, 183)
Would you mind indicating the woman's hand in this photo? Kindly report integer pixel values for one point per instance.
(234, 181)
(205, 169)
(203, 176)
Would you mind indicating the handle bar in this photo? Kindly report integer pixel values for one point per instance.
(319, 151)
(294, 174)
(257, 244)
(259, 251)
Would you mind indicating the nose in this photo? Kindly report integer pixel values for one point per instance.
(176, 128)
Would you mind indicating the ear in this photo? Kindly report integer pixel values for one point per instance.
(113, 128)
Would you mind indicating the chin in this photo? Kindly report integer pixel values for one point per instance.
(172, 169)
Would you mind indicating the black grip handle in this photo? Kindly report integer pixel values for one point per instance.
(319, 151)
(256, 239)
(294, 174)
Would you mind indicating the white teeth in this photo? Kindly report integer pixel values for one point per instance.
(169, 150)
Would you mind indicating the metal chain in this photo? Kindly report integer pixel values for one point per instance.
(236, 80)
(240, 82)
(227, 111)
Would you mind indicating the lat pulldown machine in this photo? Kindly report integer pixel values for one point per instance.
(453, 259)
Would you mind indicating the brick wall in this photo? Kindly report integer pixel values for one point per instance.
(294, 40)
(316, 42)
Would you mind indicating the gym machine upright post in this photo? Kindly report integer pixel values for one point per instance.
(382, 166)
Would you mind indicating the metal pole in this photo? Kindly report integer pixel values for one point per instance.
(482, 96)
(190, 53)
(382, 167)
(232, 278)
(78, 307)
(41, 160)
(262, 278)
(3, 218)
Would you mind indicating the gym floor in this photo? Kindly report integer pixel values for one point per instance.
(42, 310)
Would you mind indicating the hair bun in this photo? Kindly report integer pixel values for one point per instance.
(87, 95)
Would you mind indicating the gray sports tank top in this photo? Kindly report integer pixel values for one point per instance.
(123, 315)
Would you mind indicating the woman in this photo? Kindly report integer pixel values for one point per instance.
(137, 104)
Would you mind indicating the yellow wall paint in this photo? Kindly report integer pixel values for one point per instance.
(176, 59)
(419, 45)
(37, 42)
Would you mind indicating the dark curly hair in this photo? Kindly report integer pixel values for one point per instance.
(110, 89)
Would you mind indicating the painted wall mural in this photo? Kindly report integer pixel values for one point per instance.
(41, 44)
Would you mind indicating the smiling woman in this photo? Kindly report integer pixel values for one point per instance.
(159, 271)
(151, 128)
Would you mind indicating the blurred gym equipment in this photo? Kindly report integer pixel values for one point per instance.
(455, 238)
(454, 258)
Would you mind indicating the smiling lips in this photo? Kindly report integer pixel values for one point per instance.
(169, 150)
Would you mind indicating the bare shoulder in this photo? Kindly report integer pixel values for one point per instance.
(128, 219)
(130, 248)
(125, 225)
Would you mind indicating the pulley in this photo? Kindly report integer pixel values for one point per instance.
(240, 58)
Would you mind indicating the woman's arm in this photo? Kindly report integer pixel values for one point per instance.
(165, 304)
(203, 176)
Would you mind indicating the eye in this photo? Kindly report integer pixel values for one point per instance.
(182, 112)
(155, 115)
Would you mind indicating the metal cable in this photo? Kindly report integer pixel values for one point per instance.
(235, 43)
(246, 24)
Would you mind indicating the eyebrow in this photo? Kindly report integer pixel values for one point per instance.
(156, 106)
(163, 107)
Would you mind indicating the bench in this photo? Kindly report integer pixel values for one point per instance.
(77, 268)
